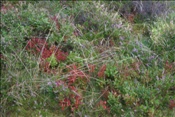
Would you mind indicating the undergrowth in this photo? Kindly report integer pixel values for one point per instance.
(83, 59)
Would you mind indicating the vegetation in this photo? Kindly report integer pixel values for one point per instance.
(85, 59)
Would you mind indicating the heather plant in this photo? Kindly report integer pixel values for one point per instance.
(77, 58)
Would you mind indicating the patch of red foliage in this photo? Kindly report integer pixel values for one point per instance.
(40, 46)
(102, 70)
(103, 104)
(35, 45)
(172, 104)
(72, 101)
(61, 56)
(77, 102)
(75, 73)
(46, 53)
(73, 89)
(65, 103)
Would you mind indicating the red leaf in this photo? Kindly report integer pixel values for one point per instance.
(35, 45)
(61, 56)
(46, 53)
(65, 103)
(75, 73)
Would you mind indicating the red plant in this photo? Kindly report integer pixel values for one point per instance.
(91, 68)
(37, 45)
(77, 102)
(103, 104)
(61, 56)
(73, 89)
(71, 67)
(172, 104)
(102, 70)
(75, 74)
(72, 101)
(65, 103)
(45, 53)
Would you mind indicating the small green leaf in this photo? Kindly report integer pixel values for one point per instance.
(52, 60)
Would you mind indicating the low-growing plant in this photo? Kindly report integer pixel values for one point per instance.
(84, 59)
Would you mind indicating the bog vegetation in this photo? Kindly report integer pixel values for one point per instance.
(87, 59)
